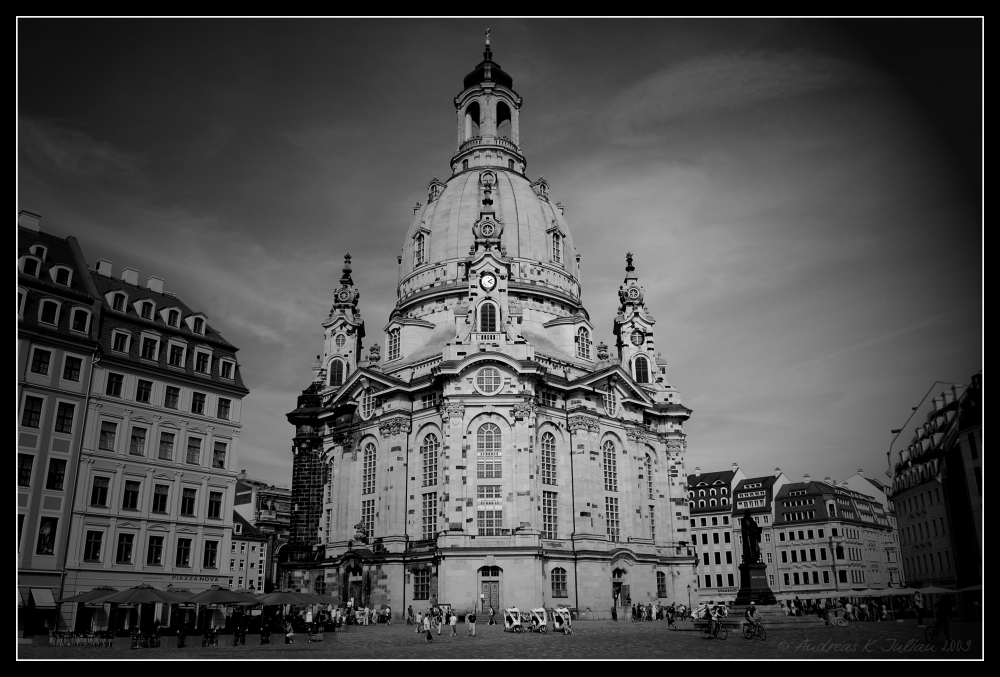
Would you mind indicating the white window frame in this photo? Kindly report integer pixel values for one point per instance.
(145, 334)
(194, 364)
(59, 305)
(177, 342)
(34, 251)
(62, 368)
(232, 371)
(610, 401)
(391, 354)
(86, 329)
(366, 404)
(55, 269)
(189, 321)
(329, 372)
(482, 372)
(21, 261)
(110, 298)
(479, 318)
(137, 306)
(426, 235)
(128, 340)
(165, 316)
(31, 359)
(583, 343)
(24, 302)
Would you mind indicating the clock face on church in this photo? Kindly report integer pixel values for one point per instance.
(488, 281)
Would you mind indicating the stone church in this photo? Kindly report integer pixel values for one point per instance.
(493, 452)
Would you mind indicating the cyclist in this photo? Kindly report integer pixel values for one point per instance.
(714, 617)
(751, 616)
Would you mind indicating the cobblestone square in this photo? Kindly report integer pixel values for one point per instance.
(591, 640)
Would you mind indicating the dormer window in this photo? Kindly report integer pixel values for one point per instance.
(61, 276)
(49, 312)
(30, 267)
(202, 361)
(583, 343)
(81, 320)
(392, 351)
(176, 354)
(173, 318)
(146, 310)
(227, 368)
(118, 303)
(39, 250)
(199, 325)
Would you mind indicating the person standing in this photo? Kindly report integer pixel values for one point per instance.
(440, 621)
(409, 615)
(420, 623)
(492, 613)
(453, 621)
(471, 620)
(428, 637)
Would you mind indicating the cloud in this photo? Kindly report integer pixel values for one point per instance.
(725, 81)
(68, 151)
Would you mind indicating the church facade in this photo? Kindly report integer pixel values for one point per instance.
(490, 453)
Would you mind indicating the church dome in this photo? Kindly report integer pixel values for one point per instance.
(535, 234)
(488, 70)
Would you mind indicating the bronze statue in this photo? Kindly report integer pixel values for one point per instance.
(751, 539)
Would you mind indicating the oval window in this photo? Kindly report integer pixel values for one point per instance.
(488, 381)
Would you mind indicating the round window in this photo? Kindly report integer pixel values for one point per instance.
(488, 381)
(340, 340)
(633, 293)
(637, 338)
(367, 404)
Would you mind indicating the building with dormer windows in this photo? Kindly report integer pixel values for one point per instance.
(710, 504)
(491, 452)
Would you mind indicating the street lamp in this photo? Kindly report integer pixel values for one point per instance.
(689, 596)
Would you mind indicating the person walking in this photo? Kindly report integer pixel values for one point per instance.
(454, 624)
(420, 622)
(409, 615)
(428, 637)
(471, 620)
(440, 621)
(492, 614)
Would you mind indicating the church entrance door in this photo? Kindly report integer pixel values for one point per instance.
(491, 595)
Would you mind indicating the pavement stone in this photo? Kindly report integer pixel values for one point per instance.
(591, 640)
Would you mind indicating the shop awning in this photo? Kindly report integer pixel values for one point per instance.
(41, 598)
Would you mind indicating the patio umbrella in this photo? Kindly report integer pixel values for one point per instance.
(931, 590)
(896, 592)
(978, 586)
(222, 596)
(140, 594)
(90, 595)
(283, 597)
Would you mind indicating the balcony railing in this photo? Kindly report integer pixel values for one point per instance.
(503, 142)
(486, 337)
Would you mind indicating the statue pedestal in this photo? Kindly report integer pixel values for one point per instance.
(753, 585)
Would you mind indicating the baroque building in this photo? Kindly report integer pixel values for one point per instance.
(710, 504)
(494, 453)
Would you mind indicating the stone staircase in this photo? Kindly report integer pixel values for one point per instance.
(771, 616)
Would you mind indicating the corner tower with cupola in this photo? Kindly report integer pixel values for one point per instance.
(496, 456)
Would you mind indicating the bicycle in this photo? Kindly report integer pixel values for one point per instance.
(931, 633)
(751, 630)
(719, 632)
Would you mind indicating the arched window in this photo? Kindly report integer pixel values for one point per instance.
(556, 248)
(711, 502)
(610, 466)
(558, 576)
(81, 319)
(548, 458)
(701, 492)
(31, 267)
(487, 317)
(418, 249)
(392, 350)
(488, 456)
(641, 365)
(429, 459)
(118, 303)
(724, 501)
(49, 313)
(368, 471)
(701, 504)
(583, 343)
(611, 401)
(471, 122)
(649, 476)
(504, 124)
(724, 491)
(661, 584)
(488, 380)
(367, 404)
(336, 373)
(711, 492)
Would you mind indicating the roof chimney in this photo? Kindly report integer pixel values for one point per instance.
(104, 267)
(29, 220)
(777, 471)
(861, 472)
(155, 284)
(827, 479)
(805, 478)
(697, 471)
(130, 275)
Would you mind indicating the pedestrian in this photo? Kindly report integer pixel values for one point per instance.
(409, 615)
(289, 633)
(471, 620)
(492, 614)
(454, 624)
(440, 621)
(420, 622)
(428, 637)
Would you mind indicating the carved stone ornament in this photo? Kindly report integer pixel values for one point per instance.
(523, 410)
(584, 424)
(375, 354)
(635, 436)
(602, 351)
(341, 438)
(455, 412)
(394, 427)
(360, 533)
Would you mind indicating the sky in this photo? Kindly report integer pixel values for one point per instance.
(803, 197)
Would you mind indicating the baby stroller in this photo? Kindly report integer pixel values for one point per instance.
(512, 620)
(561, 621)
(539, 621)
